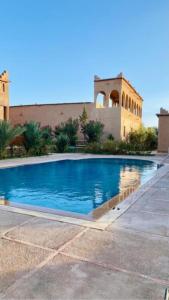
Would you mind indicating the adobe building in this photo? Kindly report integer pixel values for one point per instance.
(163, 131)
(116, 104)
(4, 96)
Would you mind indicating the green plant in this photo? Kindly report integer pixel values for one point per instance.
(35, 139)
(70, 128)
(93, 131)
(83, 120)
(143, 139)
(47, 134)
(94, 148)
(62, 142)
(110, 137)
(7, 134)
(110, 147)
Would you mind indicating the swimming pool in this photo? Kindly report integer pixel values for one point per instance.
(76, 186)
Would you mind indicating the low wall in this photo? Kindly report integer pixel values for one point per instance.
(54, 114)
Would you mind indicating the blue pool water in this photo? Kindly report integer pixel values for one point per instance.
(72, 185)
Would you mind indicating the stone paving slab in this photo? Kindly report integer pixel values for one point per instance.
(65, 278)
(163, 183)
(46, 233)
(124, 249)
(161, 194)
(151, 205)
(16, 260)
(9, 220)
(144, 222)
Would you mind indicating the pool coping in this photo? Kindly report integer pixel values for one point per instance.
(110, 216)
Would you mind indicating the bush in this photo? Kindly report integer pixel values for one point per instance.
(110, 147)
(143, 139)
(7, 134)
(35, 139)
(47, 135)
(110, 137)
(62, 142)
(93, 131)
(94, 148)
(70, 128)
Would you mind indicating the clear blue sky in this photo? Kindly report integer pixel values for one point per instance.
(53, 48)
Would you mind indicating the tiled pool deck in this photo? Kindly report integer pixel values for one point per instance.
(123, 255)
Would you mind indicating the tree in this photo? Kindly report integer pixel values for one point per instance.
(33, 138)
(7, 134)
(47, 134)
(93, 131)
(143, 138)
(70, 128)
(62, 142)
(83, 120)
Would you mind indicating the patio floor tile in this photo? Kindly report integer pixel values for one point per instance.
(46, 233)
(65, 278)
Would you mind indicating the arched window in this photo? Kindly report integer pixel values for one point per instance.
(123, 100)
(100, 99)
(132, 106)
(129, 107)
(3, 87)
(137, 110)
(114, 97)
(126, 104)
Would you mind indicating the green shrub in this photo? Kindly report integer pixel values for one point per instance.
(110, 147)
(7, 134)
(83, 120)
(110, 137)
(62, 142)
(70, 128)
(35, 139)
(94, 148)
(47, 135)
(93, 131)
(143, 139)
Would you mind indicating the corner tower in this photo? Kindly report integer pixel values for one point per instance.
(4, 96)
(119, 95)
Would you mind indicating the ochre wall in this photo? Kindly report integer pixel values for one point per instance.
(4, 96)
(163, 132)
(121, 109)
(54, 114)
(130, 121)
(48, 114)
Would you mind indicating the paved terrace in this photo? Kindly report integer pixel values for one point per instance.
(127, 258)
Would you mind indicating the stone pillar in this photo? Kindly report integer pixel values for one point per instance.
(106, 100)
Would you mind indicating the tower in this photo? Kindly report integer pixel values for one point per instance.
(4, 96)
(118, 95)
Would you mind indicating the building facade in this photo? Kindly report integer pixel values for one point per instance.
(4, 96)
(163, 131)
(116, 104)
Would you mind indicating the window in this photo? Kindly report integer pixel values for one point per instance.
(124, 131)
(5, 113)
(3, 87)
